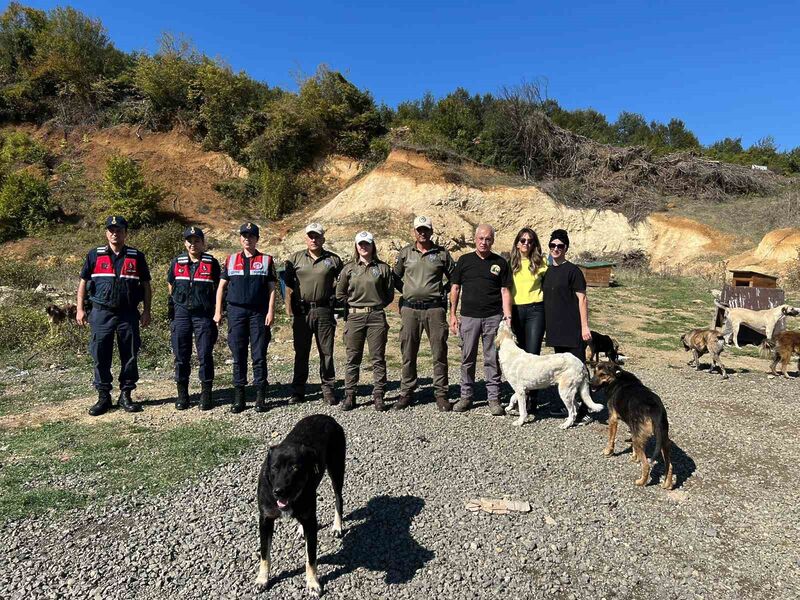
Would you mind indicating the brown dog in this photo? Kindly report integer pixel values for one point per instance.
(700, 341)
(58, 315)
(642, 411)
(782, 347)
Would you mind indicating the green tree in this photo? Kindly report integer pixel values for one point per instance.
(127, 193)
(25, 204)
(630, 129)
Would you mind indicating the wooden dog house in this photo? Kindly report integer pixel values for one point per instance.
(597, 273)
(753, 298)
(753, 279)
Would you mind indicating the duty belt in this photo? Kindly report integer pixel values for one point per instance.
(424, 305)
(312, 305)
(365, 309)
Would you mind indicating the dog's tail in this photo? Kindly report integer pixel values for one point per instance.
(662, 436)
(586, 394)
(766, 348)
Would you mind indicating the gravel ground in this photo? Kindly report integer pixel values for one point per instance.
(728, 530)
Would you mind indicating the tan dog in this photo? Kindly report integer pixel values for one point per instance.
(782, 347)
(700, 341)
(757, 319)
(58, 315)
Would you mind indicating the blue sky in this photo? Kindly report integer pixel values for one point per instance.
(726, 68)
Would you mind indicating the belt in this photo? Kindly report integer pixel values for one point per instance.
(424, 305)
(364, 309)
(313, 305)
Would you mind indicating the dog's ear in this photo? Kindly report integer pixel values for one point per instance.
(311, 458)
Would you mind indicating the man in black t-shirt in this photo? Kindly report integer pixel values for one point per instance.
(482, 279)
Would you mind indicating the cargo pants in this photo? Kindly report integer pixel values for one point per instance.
(108, 326)
(184, 326)
(319, 324)
(474, 330)
(433, 322)
(373, 329)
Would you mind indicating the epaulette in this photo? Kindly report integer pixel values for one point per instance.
(182, 259)
(131, 252)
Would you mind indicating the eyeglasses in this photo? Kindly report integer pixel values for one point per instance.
(559, 246)
(527, 242)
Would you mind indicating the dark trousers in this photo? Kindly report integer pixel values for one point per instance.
(108, 325)
(247, 327)
(183, 327)
(527, 323)
(432, 321)
(319, 324)
(373, 329)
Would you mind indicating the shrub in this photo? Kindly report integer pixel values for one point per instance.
(126, 192)
(278, 193)
(160, 243)
(18, 147)
(24, 204)
(18, 274)
(21, 327)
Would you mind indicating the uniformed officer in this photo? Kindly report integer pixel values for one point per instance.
(192, 279)
(116, 279)
(249, 278)
(310, 277)
(366, 285)
(419, 272)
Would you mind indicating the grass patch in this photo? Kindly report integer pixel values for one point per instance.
(64, 465)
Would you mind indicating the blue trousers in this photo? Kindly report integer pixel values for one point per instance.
(247, 327)
(183, 327)
(108, 325)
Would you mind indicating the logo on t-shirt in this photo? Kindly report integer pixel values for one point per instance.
(494, 269)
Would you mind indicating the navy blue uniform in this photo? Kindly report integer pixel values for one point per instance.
(115, 290)
(249, 280)
(194, 290)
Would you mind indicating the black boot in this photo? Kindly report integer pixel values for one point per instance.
(205, 395)
(377, 400)
(404, 401)
(238, 399)
(127, 404)
(182, 402)
(261, 398)
(103, 403)
(349, 400)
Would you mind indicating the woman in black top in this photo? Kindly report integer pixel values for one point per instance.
(566, 307)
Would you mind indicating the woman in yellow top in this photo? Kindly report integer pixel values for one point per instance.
(527, 311)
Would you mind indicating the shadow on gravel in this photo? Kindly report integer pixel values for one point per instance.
(378, 538)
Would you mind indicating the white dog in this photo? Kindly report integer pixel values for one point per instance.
(526, 372)
(769, 321)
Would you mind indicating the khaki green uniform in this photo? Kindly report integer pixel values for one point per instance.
(367, 289)
(313, 285)
(420, 277)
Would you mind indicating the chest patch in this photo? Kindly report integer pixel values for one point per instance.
(376, 272)
(494, 269)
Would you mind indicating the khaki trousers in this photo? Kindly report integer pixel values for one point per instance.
(320, 325)
(373, 329)
(434, 323)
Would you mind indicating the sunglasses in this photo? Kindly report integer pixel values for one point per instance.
(557, 246)
(527, 242)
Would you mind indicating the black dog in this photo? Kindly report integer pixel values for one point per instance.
(602, 343)
(287, 486)
(643, 412)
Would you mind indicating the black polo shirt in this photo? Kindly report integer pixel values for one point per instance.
(481, 280)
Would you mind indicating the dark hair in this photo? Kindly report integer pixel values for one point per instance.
(535, 255)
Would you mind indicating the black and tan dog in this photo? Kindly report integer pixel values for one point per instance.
(781, 349)
(642, 411)
(602, 343)
(58, 315)
(700, 341)
(287, 487)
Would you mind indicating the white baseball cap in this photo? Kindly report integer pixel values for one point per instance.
(316, 228)
(364, 236)
(423, 222)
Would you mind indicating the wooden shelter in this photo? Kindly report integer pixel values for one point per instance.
(597, 273)
(753, 279)
(754, 298)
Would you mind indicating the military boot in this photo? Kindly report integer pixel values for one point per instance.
(238, 399)
(205, 395)
(127, 404)
(261, 398)
(496, 408)
(182, 401)
(442, 403)
(329, 396)
(404, 401)
(377, 399)
(103, 403)
(463, 405)
(349, 402)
